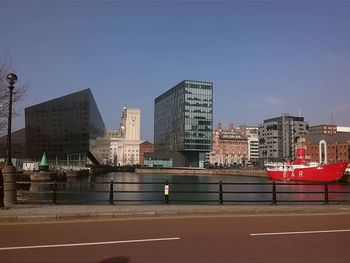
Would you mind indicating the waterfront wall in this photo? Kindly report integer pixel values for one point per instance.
(209, 172)
(197, 172)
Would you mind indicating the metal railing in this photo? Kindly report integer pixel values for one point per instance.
(182, 192)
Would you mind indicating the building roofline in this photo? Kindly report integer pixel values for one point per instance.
(171, 90)
(58, 98)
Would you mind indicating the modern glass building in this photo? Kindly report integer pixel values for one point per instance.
(64, 128)
(183, 121)
(18, 147)
(278, 137)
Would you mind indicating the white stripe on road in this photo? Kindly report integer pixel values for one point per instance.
(93, 243)
(301, 232)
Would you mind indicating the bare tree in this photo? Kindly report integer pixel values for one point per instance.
(19, 93)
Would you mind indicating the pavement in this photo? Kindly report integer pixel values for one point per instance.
(40, 213)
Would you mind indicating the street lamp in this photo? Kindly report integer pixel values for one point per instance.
(11, 79)
(9, 171)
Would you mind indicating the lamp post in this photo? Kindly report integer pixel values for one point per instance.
(11, 79)
(9, 171)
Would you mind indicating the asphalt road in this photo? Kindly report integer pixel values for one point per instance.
(266, 238)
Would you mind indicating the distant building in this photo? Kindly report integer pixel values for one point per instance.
(328, 148)
(131, 152)
(323, 129)
(343, 129)
(162, 159)
(251, 132)
(101, 148)
(183, 119)
(145, 147)
(130, 124)
(230, 147)
(18, 147)
(125, 142)
(328, 144)
(65, 128)
(278, 137)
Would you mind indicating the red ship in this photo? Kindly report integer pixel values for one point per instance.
(303, 170)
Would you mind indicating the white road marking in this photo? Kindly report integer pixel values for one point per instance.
(301, 232)
(92, 243)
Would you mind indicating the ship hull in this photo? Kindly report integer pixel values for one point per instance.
(321, 173)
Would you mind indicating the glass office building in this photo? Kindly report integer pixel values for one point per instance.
(64, 128)
(278, 137)
(183, 121)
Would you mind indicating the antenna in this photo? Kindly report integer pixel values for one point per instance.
(332, 118)
(299, 113)
(334, 130)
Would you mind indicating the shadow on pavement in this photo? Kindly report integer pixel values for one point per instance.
(115, 260)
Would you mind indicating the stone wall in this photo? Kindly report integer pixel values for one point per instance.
(197, 172)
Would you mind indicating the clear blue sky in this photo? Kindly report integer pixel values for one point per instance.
(265, 58)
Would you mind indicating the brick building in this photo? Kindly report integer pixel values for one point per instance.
(145, 147)
(326, 145)
(230, 147)
(323, 129)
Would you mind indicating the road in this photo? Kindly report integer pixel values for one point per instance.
(265, 238)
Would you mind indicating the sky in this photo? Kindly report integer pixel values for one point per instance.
(265, 58)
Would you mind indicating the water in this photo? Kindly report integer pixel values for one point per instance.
(183, 189)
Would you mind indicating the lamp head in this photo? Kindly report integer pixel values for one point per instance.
(11, 78)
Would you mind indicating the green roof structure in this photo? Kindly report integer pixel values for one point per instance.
(44, 160)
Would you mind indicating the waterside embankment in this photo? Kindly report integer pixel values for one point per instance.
(210, 172)
(199, 172)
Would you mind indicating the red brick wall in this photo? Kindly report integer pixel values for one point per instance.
(335, 152)
(145, 148)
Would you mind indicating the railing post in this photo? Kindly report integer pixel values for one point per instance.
(1, 190)
(54, 193)
(221, 195)
(166, 193)
(326, 196)
(274, 197)
(111, 193)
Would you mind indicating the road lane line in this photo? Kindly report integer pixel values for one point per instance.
(301, 232)
(92, 243)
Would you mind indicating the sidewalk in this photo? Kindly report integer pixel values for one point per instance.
(39, 213)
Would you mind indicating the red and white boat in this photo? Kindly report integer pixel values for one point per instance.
(303, 170)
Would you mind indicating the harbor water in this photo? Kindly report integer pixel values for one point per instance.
(131, 188)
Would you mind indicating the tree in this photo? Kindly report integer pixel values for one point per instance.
(18, 95)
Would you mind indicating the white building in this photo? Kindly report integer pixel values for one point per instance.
(132, 124)
(100, 149)
(122, 146)
(125, 142)
(343, 129)
(251, 132)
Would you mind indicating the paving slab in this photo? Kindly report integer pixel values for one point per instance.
(20, 212)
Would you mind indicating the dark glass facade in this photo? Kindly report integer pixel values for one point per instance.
(183, 120)
(63, 126)
(18, 149)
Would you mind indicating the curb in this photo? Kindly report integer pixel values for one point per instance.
(26, 215)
